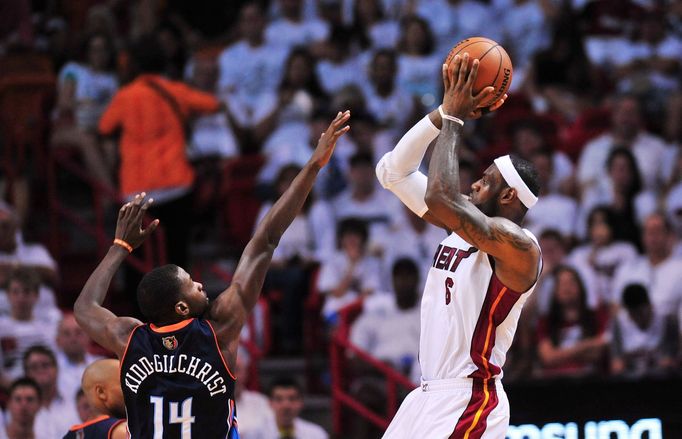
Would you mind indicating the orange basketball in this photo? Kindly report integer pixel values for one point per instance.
(495, 68)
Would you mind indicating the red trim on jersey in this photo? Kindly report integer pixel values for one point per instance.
(498, 302)
(116, 424)
(170, 328)
(473, 422)
(220, 352)
(90, 422)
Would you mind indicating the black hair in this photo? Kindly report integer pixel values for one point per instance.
(26, 276)
(634, 296)
(404, 265)
(158, 292)
(527, 172)
(389, 53)
(286, 382)
(312, 86)
(108, 40)
(429, 42)
(636, 183)
(41, 350)
(610, 218)
(148, 55)
(360, 30)
(361, 158)
(588, 318)
(25, 382)
(352, 225)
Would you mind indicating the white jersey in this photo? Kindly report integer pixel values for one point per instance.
(468, 317)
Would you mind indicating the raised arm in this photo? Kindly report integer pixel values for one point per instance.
(515, 253)
(99, 323)
(231, 308)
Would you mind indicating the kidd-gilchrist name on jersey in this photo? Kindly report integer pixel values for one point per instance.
(176, 383)
(468, 317)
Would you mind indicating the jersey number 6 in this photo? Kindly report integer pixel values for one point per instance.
(449, 283)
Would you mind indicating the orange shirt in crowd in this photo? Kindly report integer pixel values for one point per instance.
(152, 144)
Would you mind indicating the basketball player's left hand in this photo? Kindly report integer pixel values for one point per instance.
(458, 98)
(129, 223)
(327, 142)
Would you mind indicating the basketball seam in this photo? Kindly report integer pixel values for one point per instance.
(499, 67)
(465, 46)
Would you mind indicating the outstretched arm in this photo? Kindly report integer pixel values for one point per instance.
(231, 308)
(515, 252)
(99, 323)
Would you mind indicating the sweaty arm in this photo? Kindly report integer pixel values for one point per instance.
(232, 307)
(515, 253)
(99, 323)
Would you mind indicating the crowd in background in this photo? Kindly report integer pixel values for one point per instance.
(156, 95)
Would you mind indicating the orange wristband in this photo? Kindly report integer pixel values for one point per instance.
(123, 244)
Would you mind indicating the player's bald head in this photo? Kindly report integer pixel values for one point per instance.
(103, 372)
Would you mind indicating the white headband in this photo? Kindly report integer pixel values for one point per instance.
(513, 179)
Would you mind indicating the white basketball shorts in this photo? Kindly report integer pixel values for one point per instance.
(460, 408)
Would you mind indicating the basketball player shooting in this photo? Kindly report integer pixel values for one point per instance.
(176, 370)
(482, 273)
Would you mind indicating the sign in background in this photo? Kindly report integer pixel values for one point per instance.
(596, 409)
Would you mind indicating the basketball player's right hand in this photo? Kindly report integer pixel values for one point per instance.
(327, 142)
(458, 97)
(129, 223)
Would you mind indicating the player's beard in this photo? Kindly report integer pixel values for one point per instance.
(489, 207)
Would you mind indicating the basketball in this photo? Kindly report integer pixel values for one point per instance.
(495, 68)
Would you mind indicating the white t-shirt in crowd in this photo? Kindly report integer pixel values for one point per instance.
(93, 92)
(287, 33)
(54, 422)
(17, 336)
(255, 415)
(70, 374)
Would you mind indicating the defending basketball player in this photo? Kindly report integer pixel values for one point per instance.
(102, 389)
(481, 275)
(176, 370)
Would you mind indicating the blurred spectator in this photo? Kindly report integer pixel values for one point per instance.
(571, 335)
(409, 237)
(389, 325)
(649, 64)
(657, 269)
(72, 355)
(644, 342)
(454, 20)
(250, 68)
(173, 45)
(627, 131)
(599, 258)
(531, 136)
(338, 67)
(555, 249)
(673, 208)
(350, 272)
(83, 406)
(418, 72)
(525, 28)
(14, 251)
(293, 28)
(21, 329)
(391, 106)
(621, 190)
(309, 240)
(255, 414)
(553, 210)
(364, 198)
(151, 113)
(560, 77)
(292, 104)
(84, 91)
(286, 400)
(371, 28)
(57, 413)
(23, 403)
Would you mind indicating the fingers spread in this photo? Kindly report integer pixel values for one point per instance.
(463, 70)
(446, 77)
(473, 73)
(484, 96)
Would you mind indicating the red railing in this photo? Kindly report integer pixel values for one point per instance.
(340, 347)
(64, 160)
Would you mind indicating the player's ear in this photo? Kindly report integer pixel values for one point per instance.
(100, 392)
(182, 308)
(507, 195)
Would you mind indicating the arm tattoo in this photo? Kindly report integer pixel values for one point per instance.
(496, 232)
